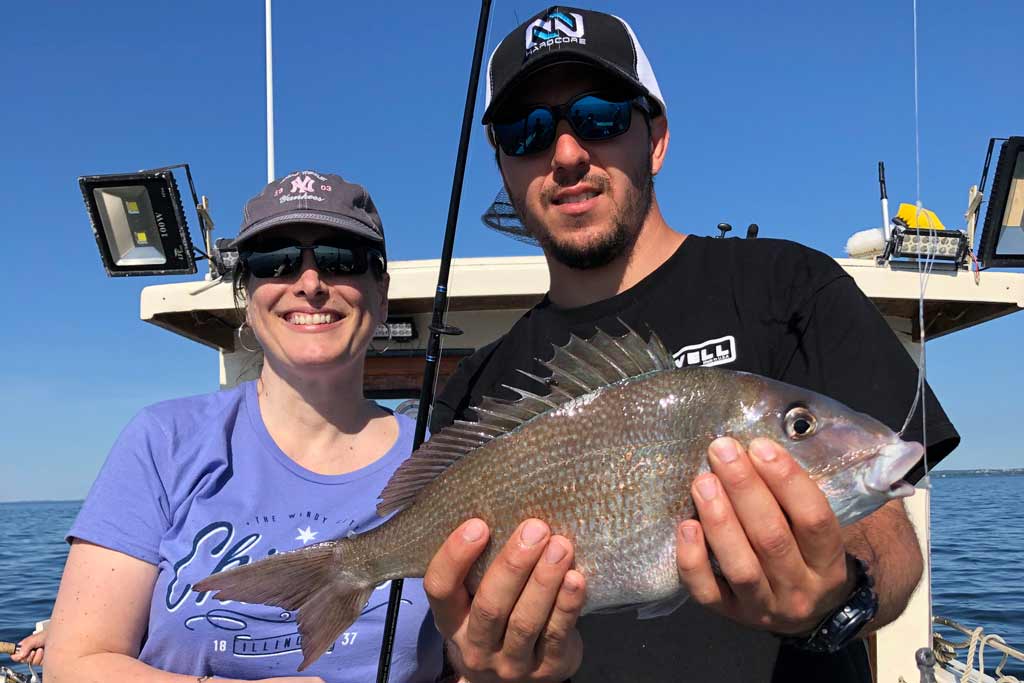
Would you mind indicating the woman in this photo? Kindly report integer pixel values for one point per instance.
(197, 485)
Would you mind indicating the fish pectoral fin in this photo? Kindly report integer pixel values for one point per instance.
(305, 581)
(663, 607)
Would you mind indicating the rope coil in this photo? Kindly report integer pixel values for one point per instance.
(976, 642)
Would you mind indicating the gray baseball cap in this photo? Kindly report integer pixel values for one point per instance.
(312, 197)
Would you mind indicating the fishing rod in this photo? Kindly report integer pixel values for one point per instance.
(438, 327)
(10, 676)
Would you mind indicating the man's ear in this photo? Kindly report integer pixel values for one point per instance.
(659, 142)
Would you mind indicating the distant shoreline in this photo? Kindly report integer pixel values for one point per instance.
(981, 472)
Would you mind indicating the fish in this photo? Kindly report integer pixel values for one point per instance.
(606, 458)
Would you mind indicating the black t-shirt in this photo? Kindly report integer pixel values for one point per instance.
(765, 306)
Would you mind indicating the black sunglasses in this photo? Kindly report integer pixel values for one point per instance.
(592, 116)
(284, 261)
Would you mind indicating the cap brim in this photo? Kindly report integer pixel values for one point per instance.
(566, 55)
(341, 223)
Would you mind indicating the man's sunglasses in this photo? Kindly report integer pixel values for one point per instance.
(285, 261)
(592, 116)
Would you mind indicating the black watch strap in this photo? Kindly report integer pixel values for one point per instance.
(841, 627)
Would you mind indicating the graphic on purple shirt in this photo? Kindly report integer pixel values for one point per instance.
(197, 485)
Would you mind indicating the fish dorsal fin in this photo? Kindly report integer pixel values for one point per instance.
(577, 368)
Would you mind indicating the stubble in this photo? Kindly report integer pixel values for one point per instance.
(627, 220)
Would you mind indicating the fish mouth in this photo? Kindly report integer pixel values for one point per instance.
(892, 464)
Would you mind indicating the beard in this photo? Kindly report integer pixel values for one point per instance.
(626, 222)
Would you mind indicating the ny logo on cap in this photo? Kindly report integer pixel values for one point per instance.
(302, 184)
(555, 27)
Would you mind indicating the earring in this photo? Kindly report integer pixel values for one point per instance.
(391, 333)
(241, 340)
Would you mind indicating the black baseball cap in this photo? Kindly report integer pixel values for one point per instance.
(312, 197)
(567, 34)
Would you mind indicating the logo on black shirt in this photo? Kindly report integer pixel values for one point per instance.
(712, 352)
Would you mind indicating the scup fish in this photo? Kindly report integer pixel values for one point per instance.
(606, 458)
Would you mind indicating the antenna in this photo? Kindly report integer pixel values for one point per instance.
(270, 98)
(886, 228)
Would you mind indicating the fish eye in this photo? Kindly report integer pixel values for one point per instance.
(800, 423)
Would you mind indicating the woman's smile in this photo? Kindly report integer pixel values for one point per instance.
(312, 320)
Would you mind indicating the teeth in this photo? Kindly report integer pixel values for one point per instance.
(311, 318)
(577, 198)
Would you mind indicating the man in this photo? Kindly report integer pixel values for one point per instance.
(580, 129)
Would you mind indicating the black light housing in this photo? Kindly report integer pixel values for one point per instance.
(139, 223)
(944, 248)
(1002, 238)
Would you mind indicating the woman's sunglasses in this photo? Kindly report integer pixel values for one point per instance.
(592, 117)
(330, 260)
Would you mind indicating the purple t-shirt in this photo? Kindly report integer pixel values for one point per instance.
(197, 484)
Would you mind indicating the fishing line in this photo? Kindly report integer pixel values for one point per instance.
(917, 117)
(923, 272)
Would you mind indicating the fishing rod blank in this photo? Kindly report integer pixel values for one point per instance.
(437, 324)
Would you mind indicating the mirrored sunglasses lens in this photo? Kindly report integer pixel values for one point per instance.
(337, 260)
(277, 263)
(532, 133)
(595, 118)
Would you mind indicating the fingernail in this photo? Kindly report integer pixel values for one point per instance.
(473, 531)
(763, 450)
(689, 534)
(570, 583)
(533, 533)
(725, 449)
(707, 487)
(554, 553)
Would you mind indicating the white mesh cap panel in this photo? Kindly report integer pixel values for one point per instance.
(643, 68)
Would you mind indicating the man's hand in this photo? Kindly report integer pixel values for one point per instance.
(778, 545)
(521, 623)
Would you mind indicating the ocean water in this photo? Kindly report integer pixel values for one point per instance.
(977, 555)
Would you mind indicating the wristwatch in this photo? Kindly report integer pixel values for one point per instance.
(840, 628)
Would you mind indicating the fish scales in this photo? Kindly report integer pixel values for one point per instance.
(610, 468)
(610, 471)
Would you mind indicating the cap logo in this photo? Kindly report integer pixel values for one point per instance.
(554, 28)
(304, 184)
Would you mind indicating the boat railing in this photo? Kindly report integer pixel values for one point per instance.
(947, 652)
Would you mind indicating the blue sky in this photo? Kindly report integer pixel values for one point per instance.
(779, 113)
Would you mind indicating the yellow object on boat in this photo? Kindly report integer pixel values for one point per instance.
(919, 218)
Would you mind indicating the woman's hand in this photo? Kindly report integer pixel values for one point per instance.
(521, 623)
(30, 649)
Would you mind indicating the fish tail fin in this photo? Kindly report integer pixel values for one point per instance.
(309, 581)
(326, 615)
